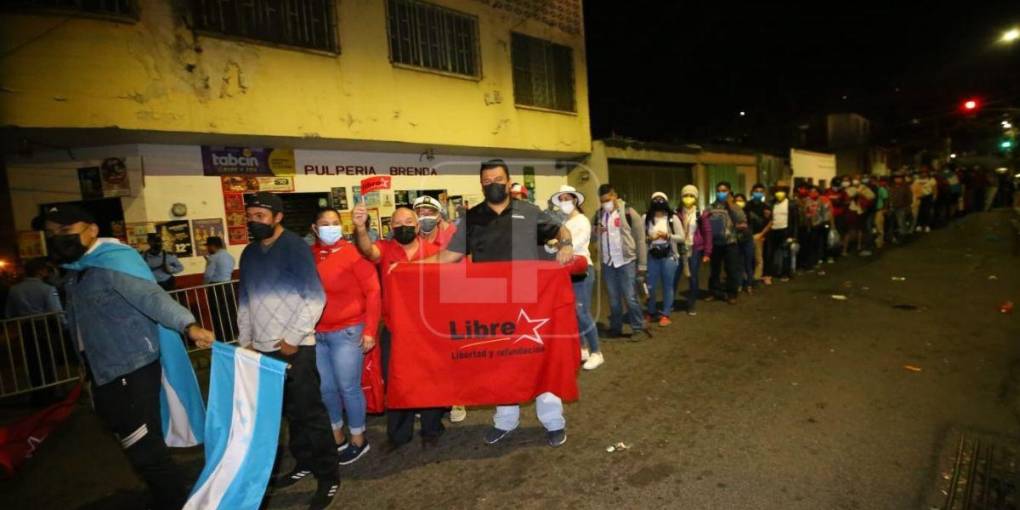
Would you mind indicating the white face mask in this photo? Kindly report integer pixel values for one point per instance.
(329, 234)
(607, 206)
(567, 207)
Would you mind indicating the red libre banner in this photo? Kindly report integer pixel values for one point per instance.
(480, 334)
(376, 183)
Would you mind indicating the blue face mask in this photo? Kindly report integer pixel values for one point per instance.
(757, 195)
(722, 195)
(329, 234)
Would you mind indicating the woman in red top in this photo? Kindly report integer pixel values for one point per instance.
(346, 330)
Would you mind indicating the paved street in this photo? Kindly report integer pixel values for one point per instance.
(790, 400)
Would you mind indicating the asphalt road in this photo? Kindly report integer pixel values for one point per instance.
(788, 400)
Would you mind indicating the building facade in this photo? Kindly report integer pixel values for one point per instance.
(156, 111)
(638, 169)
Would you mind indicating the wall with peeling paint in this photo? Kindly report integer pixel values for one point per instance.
(158, 75)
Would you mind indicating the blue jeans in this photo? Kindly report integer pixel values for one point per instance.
(620, 284)
(694, 261)
(661, 274)
(585, 322)
(339, 359)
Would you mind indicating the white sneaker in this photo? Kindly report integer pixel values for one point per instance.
(457, 414)
(584, 354)
(595, 360)
(927, 229)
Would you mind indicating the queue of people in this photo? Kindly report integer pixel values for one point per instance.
(320, 307)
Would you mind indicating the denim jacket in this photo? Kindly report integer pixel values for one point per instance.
(114, 316)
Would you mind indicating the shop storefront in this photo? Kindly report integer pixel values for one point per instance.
(189, 193)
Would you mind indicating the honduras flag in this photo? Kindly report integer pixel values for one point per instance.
(180, 399)
(241, 430)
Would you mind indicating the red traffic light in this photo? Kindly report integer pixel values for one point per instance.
(970, 105)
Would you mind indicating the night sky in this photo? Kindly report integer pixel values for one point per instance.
(682, 71)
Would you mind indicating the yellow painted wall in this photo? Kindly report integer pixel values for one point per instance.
(90, 73)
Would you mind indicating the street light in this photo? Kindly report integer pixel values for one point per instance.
(952, 156)
(1011, 35)
(1006, 124)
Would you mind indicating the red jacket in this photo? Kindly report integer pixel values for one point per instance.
(352, 288)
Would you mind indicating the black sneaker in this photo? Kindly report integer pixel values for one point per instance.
(286, 480)
(353, 453)
(495, 435)
(556, 438)
(324, 495)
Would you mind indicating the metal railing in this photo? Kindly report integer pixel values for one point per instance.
(38, 352)
(214, 307)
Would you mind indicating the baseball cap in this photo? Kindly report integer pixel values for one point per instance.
(427, 201)
(67, 214)
(265, 200)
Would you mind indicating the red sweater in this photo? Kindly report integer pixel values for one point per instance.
(352, 288)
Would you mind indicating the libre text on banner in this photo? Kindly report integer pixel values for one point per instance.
(480, 334)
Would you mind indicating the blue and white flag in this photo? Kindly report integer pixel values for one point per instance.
(242, 429)
(180, 399)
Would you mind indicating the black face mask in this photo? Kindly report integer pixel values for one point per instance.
(404, 234)
(66, 248)
(495, 193)
(260, 231)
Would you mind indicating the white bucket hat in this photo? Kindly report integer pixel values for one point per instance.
(565, 188)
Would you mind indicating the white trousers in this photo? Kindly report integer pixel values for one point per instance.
(548, 407)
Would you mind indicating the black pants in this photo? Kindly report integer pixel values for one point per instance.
(728, 255)
(780, 253)
(924, 213)
(807, 257)
(311, 435)
(820, 238)
(130, 407)
(400, 424)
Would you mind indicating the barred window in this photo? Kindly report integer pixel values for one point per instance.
(301, 23)
(543, 73)
(105, 7)
(433, 37)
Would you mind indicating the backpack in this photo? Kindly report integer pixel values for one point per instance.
(722, 226)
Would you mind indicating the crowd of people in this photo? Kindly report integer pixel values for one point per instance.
(320, 307)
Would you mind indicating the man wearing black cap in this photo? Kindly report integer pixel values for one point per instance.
(280, 301)
(163, 265)
(120, 318)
